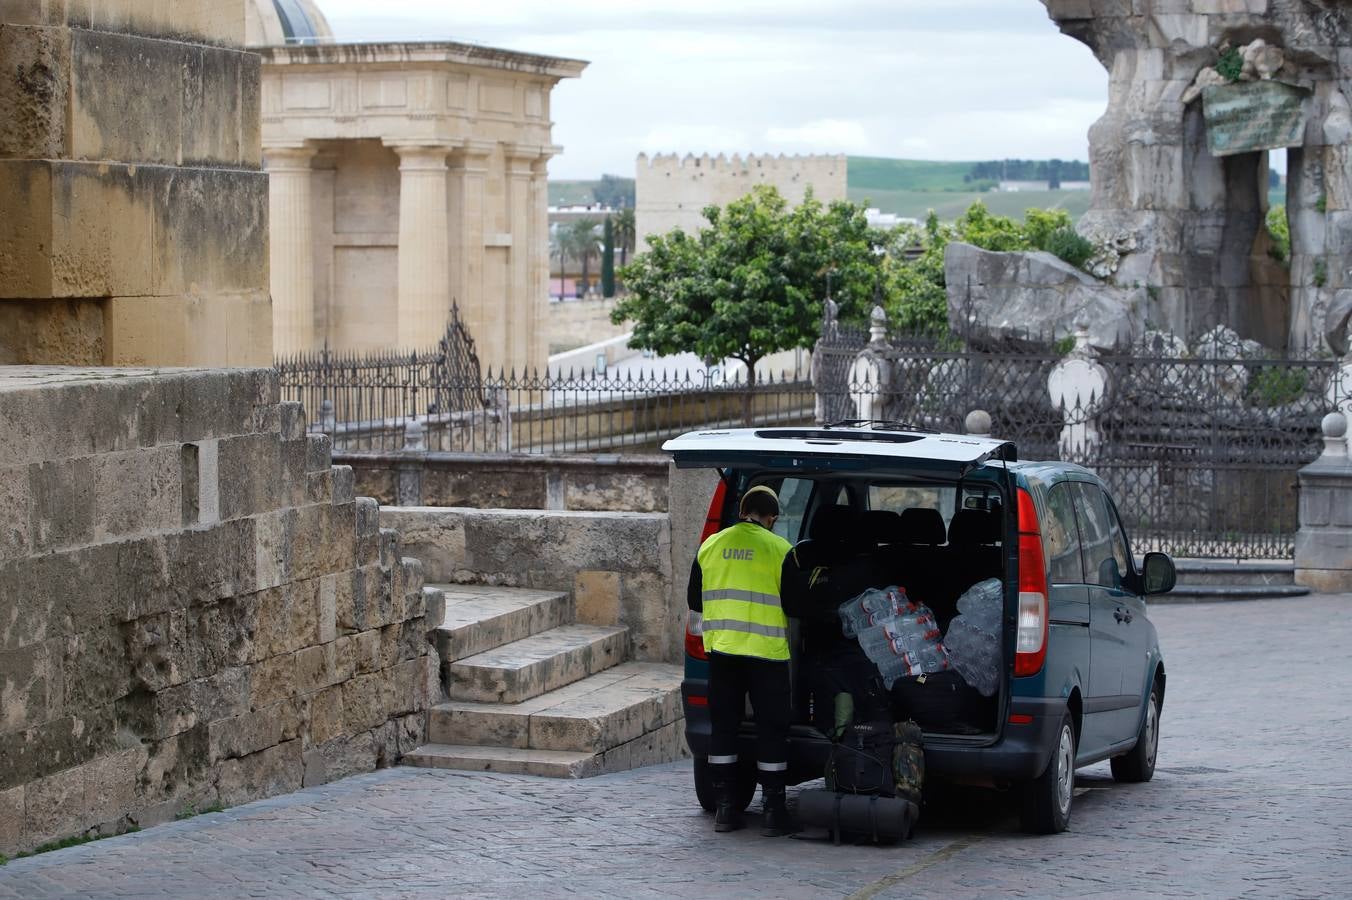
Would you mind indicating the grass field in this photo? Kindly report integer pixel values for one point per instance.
(948, 205)
(875, 173)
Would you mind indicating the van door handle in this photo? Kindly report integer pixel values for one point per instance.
(1122, 615)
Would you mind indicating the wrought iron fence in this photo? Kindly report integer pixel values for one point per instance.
(1201, 451)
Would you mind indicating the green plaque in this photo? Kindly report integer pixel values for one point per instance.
(1253, 115)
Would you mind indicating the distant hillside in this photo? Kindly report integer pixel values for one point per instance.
(948, 205)
(875, 173)
(572, 193)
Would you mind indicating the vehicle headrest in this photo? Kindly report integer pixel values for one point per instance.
(971, 527)
(880, 526)
(832, 524)
(922, 525)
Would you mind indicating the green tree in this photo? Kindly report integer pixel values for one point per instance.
(608, 260)
(615, 191)
(753, 281)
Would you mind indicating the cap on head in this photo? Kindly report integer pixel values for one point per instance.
(759, 501)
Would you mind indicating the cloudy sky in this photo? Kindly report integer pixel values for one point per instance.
(917, 79)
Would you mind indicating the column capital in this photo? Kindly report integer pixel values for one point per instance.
(472, 155)
(421, 156)
(295, 156)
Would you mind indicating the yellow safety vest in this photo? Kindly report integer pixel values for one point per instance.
(739, 572)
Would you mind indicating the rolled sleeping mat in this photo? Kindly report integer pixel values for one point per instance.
(867, 815)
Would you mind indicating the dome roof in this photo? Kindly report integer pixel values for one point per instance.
(272, 22)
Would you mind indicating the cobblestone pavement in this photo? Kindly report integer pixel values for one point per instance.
(1253, 796)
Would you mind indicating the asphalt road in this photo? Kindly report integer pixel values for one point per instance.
(1252, 797)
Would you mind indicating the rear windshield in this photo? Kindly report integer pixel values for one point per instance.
(802, 498)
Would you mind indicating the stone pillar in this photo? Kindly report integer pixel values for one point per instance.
(469, 176)
(424, 245)
(540, 260)
(518, 306)
(1324, 542)
(292, 248)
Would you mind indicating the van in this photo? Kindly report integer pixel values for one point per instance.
(1081, 676)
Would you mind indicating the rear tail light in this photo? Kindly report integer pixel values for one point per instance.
(694, 635)
(1030, 646)
(713, 520)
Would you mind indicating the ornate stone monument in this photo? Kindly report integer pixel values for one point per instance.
(1200, 90)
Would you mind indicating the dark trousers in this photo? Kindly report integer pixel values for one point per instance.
(731, 678)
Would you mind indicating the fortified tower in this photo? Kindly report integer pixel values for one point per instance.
(672, 191)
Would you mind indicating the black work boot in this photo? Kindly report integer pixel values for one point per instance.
(727, 817)
(775, 820)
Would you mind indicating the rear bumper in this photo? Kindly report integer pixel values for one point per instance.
(1021, 753)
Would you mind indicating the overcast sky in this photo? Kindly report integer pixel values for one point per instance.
(917, 79)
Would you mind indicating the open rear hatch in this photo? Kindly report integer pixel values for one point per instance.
(829, 449)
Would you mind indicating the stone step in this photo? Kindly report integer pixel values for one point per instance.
(595, 714)
(535, 665)
(482, 617)
(1216, 593)
(664, 745)
(1233, 574)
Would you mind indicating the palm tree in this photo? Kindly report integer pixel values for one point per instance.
(581, 242)
(558, 246)
(626, 233)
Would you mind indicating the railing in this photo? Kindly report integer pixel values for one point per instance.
(1201, 449)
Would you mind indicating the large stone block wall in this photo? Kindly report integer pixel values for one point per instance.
(499, 481)
(195, 609)
(136, 225)
(616, 565)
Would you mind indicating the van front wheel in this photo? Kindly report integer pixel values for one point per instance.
(1046, 799)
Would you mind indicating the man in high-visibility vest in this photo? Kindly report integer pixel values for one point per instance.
(734, 584)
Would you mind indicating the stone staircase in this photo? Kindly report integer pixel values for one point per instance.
(533, 692)
(1217, 581)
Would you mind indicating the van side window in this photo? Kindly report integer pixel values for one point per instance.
(794, 494)
(1105, 560)
(1061, 540)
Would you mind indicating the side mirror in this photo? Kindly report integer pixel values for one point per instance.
(1158, 575)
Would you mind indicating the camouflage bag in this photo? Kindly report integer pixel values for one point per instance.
(908, 761)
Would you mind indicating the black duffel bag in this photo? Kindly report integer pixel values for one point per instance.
(943, 703)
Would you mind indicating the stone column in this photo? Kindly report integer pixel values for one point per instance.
(539, 284)
(292, 248)
(469, 174)
(424, 245)
(519, 304)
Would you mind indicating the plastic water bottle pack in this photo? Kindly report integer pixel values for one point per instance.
(973, 639)
(898, 636)
(873, 607)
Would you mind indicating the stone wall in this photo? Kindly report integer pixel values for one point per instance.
(496, 481)
(577, 323)
(195, 609)
(616, 565)
(671, 191)
(135, 225)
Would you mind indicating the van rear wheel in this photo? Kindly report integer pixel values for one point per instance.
(708, 797)
(1047, 798)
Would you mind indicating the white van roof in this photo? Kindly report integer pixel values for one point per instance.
(815, 445)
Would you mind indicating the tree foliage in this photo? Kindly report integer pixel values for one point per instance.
(917, 293)
(614, 191)
(753, 281)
